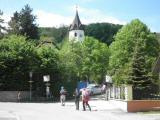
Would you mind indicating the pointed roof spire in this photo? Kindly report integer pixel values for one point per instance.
(76, 7)
(76, 24)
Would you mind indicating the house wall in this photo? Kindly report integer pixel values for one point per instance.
(79, 37)
(143, 105)
(136, 105)
(12, 96)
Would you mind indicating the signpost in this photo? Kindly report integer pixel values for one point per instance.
(108, 85)
(108, 79)
(46, 78)
(30, 85)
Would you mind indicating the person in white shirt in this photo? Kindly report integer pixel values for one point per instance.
(62, 96)
(85, 99)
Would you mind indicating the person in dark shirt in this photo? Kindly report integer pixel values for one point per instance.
(77, 97)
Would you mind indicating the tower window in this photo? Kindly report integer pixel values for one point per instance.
(75, 34)
(80, 35)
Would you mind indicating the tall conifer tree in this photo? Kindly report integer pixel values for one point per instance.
(138, 73)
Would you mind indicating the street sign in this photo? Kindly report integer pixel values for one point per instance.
(46, 78)
(108, 79)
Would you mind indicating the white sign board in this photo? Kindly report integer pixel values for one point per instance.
(46, 78)
(108, 79)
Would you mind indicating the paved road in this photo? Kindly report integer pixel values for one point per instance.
(101, 110)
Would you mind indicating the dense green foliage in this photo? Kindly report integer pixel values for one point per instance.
(96, 59)
(57, 34)
(22, 23)
(158, 37)
(102, 31)
(85, 61)
(74, 62)
(138, 75)
(47, 63)
(123, 51)
(16, 59)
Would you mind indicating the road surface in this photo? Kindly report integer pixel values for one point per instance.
(101, 110)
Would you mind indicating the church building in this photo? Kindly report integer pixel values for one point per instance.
(76, 32)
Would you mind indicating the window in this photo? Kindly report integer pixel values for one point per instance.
(80, 35)
(75, 34)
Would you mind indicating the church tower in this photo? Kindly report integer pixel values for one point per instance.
(76, 32)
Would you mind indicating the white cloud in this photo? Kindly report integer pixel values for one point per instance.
(95, 15)
(6, 18)
(46, 19)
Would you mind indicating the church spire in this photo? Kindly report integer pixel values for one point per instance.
(76, 32)
(76, 7)
(76, 24)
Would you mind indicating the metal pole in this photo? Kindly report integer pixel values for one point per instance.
(30, 85)
(46, 78)
(30, 90)
(46, 91)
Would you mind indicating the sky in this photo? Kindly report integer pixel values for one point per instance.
(54, 13)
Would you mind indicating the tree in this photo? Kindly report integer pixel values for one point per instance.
(47, 63)
(138, 75)
(47, 59)
(95, 59)
(58, 34)
(17, 58)
(122, 49)
(23, 23)
(71, 58)
(1, 26)
(84, 61)
(14, 24)
(103, 32)
(28, 27)
(158, 37)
